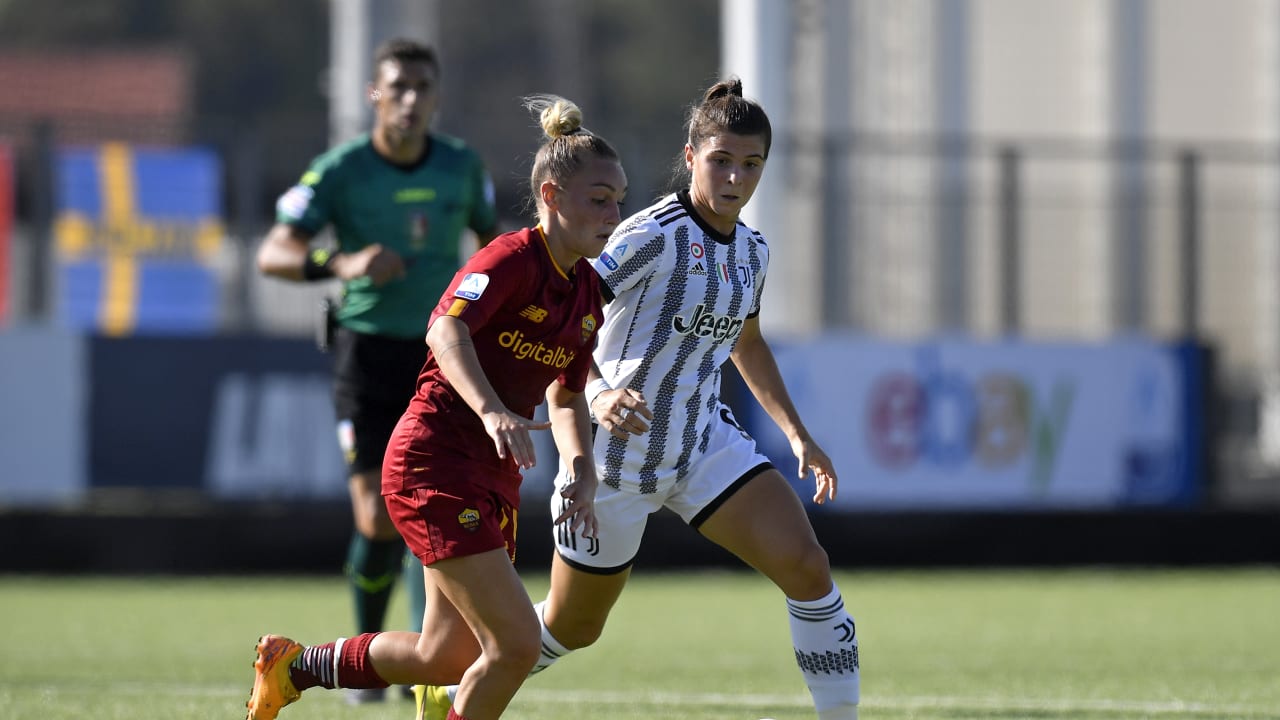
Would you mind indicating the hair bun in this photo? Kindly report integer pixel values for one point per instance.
(560, 118)
(724, 88)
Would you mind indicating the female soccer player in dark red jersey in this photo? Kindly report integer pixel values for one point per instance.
(516, 325)
(398, 200)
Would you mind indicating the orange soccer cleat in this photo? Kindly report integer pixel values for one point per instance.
(272, 687)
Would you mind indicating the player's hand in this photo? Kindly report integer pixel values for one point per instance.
(580, 503)
(377, 262)
(622, 411)
(824, 473)
(510, 433)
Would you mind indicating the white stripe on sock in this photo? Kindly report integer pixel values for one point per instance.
(337, 653)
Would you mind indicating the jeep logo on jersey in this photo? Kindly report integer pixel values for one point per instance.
(472, 286)
(704, 323)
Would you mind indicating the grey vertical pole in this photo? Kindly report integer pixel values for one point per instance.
(1010, 241)
(1129, 120)
(755, 39)
(838, 148)
(349, 68)
(415, 19)
(562, 26)
(952, 230)
(1189, 241)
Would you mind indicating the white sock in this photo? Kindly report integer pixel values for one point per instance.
(552, 650)
(825, 641)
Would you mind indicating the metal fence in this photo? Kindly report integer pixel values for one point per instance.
(1060, 239)
(913, 237)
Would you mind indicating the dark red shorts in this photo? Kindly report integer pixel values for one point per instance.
(440, 524)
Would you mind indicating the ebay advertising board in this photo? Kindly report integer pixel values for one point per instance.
(1000, 425)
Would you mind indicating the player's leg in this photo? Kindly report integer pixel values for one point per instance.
(764, 523)
(576, 608)
(368, 661)
(375, 378)
(375, 559)
(427, 519)
(365, 423)
(587, 577)
(491, 598)
(735, 497)
(589, 573)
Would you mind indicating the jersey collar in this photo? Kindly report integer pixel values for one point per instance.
(714, 234)
(543, 235)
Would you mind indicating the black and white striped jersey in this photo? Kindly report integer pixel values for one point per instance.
(678, 293)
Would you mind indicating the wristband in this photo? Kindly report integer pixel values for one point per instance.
(318, 265)
(593, 390)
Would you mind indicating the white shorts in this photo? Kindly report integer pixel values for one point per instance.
(731, 459)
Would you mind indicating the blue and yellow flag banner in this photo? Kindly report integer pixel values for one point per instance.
(138, 232)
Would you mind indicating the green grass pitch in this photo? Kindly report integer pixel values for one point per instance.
(1097, 643)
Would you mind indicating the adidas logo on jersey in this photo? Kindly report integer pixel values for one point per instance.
(698, 269)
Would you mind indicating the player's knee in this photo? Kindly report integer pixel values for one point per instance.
(518, 652)
(809, 573)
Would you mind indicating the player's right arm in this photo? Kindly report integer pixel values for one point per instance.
(286, 253)
(301, 213)
(450, 341)
(283, 252)
(620, 411)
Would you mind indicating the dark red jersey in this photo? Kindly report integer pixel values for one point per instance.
(531, 325)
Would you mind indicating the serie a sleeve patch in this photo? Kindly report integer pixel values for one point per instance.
(472, 286)
(295, 202)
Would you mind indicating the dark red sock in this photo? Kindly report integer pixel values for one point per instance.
(313, 668)
(453, 715)
(354, 668)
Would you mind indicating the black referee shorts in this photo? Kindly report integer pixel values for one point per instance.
(374, 378)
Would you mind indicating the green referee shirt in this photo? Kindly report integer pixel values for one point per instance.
(418, 211)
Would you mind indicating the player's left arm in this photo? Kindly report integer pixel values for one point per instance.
(758, 368)
(571, 428)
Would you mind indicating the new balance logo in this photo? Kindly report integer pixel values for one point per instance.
(534, 313)
(698, 269)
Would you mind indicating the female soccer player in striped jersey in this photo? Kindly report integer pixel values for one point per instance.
(683, 281)
(516, 324)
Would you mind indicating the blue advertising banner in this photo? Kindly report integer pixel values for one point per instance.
(239, 418)
(995, 426)
(932, 426)
(137, 233)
